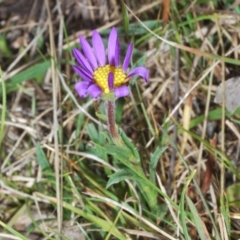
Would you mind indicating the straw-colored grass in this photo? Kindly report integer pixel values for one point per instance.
(61, 175)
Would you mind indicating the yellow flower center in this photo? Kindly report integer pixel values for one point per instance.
(100, 77)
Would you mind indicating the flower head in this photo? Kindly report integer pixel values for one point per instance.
(100, 75)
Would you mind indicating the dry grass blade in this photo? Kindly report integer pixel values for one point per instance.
(55, 89)
(62, 176)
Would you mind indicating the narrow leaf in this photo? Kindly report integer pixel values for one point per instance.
(150, 196)
(121, 153)
(200, 226)
(93, 133)
(130, 145)
(125, 18)
(33, 72)
(154, 160)
(11, 230)
(119, 176)
(43, 161)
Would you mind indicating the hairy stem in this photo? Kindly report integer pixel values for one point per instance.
(111, 123)
(111, 119)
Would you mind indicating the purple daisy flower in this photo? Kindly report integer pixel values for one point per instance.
(100, 75)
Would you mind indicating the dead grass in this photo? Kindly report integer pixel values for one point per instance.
(54, 171)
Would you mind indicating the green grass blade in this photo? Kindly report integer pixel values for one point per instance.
(11, 230)
(197, 220)
(34, 72)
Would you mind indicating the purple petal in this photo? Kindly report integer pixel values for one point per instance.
(95, 91)
(112, 43)
(82, 88)
(127, 58)
(82, 60)
(111, 81)
(122, 91)
(88, 52)
(117, 54)
(98, 48)
(139, 71)
(83, 73)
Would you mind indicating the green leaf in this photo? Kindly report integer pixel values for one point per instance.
(233, 195)
(150, 195)
(125, 18)
(119, 110)
(196, 219)
(99, 141)
(136, 28)
(101, 116)
(215, 114)
(43, 162)
(34, 72)
(80, 121)
(4, 49)
(154, 161)
(220, 156)
(146, 115)
(147, 191)
(130, 145)
(14, 232)
(183, 214)
(225, 211)
(93, 133)
(119, 176)
(94, 219)
(121, 153)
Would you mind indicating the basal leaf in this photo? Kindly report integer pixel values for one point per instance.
(130, 145)
(154, 160)
(150, 196)
(121, 153)
(120, 176)
(93, 133)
